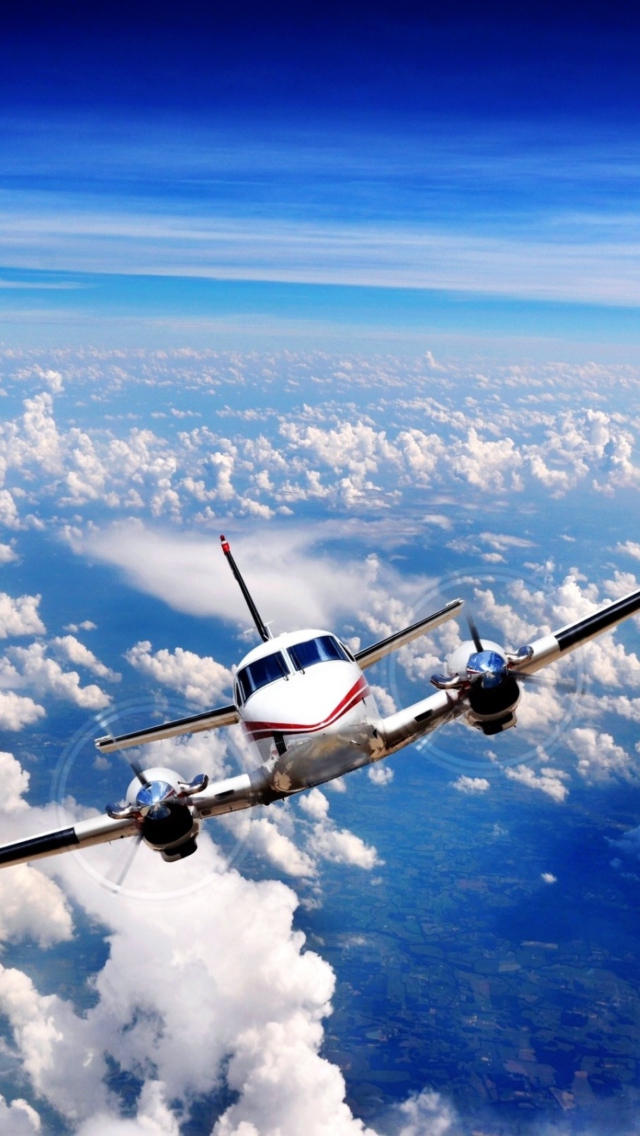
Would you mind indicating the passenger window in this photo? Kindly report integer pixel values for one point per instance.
(256, 675)
(321, 650)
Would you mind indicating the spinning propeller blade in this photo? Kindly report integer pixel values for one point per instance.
(123, 869)
(477, 642)
(138, 770)
(135, 765)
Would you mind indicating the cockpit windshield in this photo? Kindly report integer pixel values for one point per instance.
(261, 673)
(321, 650)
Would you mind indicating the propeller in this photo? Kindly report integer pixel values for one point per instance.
(119, 873)
(487, 666)
(473, 630)
(161, 811)
(155, 799)
(137, 769)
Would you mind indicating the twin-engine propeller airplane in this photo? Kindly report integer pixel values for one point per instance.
(305, 704)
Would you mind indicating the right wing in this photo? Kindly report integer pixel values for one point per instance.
(376, 651)
(83, 834)
(412, 722)
(209, 720)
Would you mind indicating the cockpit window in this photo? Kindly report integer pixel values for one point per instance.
(321, 650)
(261, 673)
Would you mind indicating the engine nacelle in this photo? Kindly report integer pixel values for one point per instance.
(492, 710)
(168, 823)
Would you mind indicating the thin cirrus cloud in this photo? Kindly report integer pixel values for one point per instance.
(495, 212)
(532, 265)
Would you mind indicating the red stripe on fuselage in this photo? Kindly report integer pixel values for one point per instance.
(355, 695)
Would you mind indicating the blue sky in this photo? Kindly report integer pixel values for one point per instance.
(468, 909)
(297, 275)
(487, 162)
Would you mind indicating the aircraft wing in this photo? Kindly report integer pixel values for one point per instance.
(376, 651)
(549, 648)
(421, 718)
(209, 720)
(414, 721)
(95, 830)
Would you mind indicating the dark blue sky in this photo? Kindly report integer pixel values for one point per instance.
(397, 61)
(476, 150)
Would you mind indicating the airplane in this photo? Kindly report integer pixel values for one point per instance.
(304, 702)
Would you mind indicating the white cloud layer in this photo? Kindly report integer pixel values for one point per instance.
(20, 616)
(465, 784)
(77, 653)
(234, 937)
(18, 711)
(201, 680)
(599, 756)
(32, 668)
(548, 780)
(18, 1118)
(293, 582)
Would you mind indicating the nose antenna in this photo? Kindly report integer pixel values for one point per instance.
(263, 630)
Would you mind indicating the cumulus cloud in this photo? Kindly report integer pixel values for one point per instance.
(385, 703)
(18, 1118)
(342, 847)
(542, 705)
(548, 878)
(428, 1114)
(153, 1117)
(9, 516)
(599, 756)
(31, 667)
(466, 784)
(32, 906)
(264, 836)
(380, 774)
(328, 842)
(235, 928)
(20, 616)
(315, 804)
(514, 628)
(7, 554)
(270, 1100)
(18, 711)
(202, 680)
(233, 936)
(632, 548)
(483, 462)
(192, 754)
(77, 653)
(15, 783)
(548, 780)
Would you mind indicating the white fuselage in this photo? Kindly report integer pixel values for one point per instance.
(313, 717)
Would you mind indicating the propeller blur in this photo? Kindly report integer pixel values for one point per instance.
(304, 703)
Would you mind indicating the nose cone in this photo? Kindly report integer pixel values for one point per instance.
(488, 666)
(151, 798)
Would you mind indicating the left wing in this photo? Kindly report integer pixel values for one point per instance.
(209, 720)
(95, 830)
